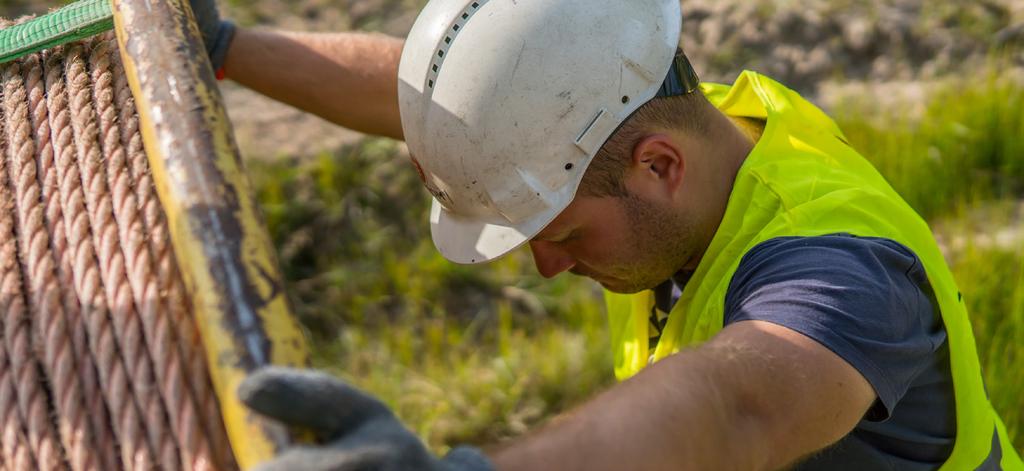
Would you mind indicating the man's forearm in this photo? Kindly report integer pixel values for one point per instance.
(348, 78)
(757, 396)
(670, 417)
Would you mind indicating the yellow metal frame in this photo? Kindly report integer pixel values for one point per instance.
(220, 242)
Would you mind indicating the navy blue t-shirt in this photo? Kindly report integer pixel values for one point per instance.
(869, 301)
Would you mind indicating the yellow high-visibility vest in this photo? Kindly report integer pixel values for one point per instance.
(803, 179)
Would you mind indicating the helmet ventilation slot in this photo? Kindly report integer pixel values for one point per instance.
(450, 35)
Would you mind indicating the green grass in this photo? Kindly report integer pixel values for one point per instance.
(964, 146)
(480, 354)
(991, 281)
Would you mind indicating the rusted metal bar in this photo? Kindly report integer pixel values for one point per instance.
(219, 239)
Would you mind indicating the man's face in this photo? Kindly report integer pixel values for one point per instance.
(627, 244)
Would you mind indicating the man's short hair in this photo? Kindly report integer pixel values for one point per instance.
(687, 113)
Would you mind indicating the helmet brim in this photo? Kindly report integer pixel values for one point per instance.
(468, 241)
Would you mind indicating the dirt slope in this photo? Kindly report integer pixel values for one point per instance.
(826, 49)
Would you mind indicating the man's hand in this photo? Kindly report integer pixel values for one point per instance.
(358, 431)
(217, 34)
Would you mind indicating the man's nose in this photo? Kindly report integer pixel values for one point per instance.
(550, 259)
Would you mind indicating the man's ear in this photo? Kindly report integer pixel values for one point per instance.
(658, 165)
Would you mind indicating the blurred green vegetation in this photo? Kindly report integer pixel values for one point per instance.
(479, 354)
(464, 354)
(963, 146)
(991, 281)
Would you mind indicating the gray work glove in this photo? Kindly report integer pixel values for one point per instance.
(357, 431)
(217, 33)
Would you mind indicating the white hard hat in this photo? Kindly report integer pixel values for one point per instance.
(505, 102)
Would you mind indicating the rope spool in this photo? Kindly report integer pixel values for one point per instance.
(101, 363)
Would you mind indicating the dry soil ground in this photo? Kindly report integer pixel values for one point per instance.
(828, 49)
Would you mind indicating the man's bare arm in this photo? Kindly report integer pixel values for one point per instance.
(350, 79)
(757, 396)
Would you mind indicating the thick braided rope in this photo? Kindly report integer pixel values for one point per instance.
(49, 324)
(160, 335)
(13, 442)
(101, 365)
(31, 392)
(32, 396)
(125, 415)
(12, 304)
(126, 419)
(96, 408)
(100, 207)
(172, 288)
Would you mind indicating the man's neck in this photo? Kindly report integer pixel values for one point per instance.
(733, 143)
(739, 141)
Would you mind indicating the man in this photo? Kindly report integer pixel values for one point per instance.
(772, 302)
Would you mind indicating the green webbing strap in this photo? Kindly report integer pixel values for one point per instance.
(78, 20)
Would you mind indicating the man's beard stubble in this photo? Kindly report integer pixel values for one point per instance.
(660, 244)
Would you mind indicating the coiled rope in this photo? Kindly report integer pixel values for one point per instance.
(101, 366)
